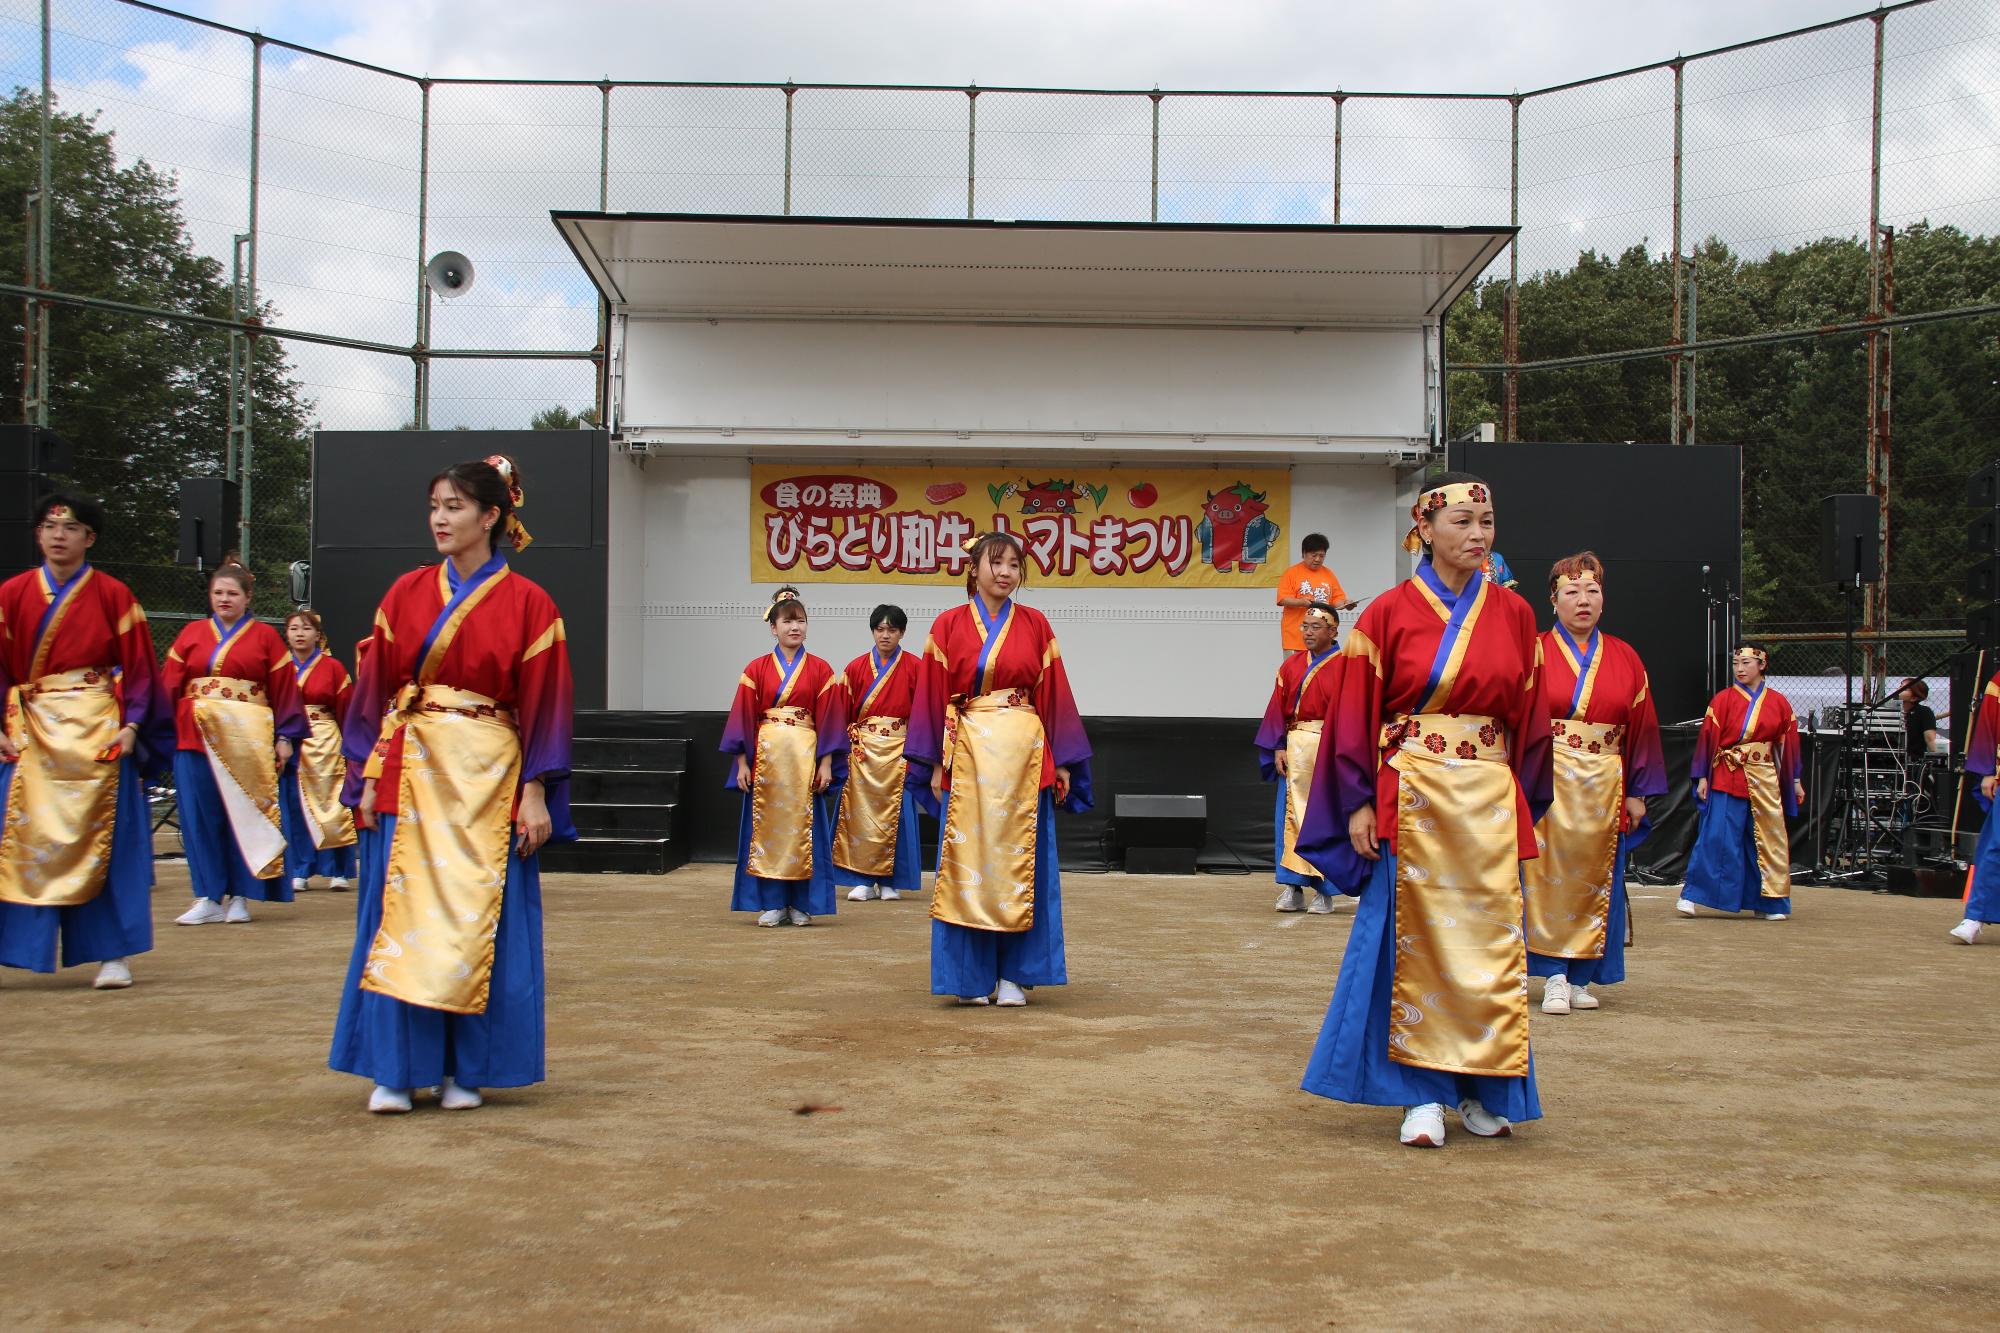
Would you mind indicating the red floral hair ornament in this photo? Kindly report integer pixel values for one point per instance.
(1442, 497)
(517, 531)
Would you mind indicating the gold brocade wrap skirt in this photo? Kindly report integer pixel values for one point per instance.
(322, 770)
(239, 736)
(1301, 756)
(1569, 885)
(986, 851)
(781, 795)
(55, 847)
(1460, 996)
(871, 807)
(1758, 763)
(461, 767)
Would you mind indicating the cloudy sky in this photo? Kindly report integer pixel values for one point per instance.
(1776, 151)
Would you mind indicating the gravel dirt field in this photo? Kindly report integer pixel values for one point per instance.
(1772, 1125)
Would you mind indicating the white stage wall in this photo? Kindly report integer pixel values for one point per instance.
(684, 616)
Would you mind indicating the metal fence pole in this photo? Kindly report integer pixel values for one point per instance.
(1674, 323)
(971, 144)
(420, 365)
(1339, 128)
(1156, 155)
(35, 241)
(789, 90)
(243, 422)
(1510, 328)
(1875, 600)
(1693, 337)
(603, 361)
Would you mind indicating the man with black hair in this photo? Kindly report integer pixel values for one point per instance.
(1303, 584)
(76, 846)
(876, 853)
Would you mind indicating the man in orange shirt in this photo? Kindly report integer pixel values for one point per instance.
(1303, 584)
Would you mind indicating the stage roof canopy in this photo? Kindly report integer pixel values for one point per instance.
(707, 265)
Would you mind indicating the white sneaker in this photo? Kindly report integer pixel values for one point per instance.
(205, 912)
(1579, 998)
(452, 1097)
(1478, 1120)
(1321, 905)
(969, 1000)
(796, 917)
(113, 974)
(236, 911)
(300, 886)
(389, 1101)
(1773, 916)
(1423, 1126)
(861, 893)
(1292, 900)
(1684, 907)
(1555, 995)
(339, 884)
(1009, 996)
(774, 917)
(889, 895)
(1966, 931)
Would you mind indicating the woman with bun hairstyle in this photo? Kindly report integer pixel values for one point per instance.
(787, 729)
(458, 741)
(995, 746)
(237, 720)
(1747, 781)
(319, 830)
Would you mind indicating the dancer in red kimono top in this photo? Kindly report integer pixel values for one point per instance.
(876, 851)
(237, 719)
(1982, 756)
(1433, 768)
(996, 741)
(1607, 761)
(319, 830)
(1288, 746)
(459, 736)
(76, 842)
(787, 728)
(1746, 781)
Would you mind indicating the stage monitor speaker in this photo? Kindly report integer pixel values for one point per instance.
(1160, 835)
(1850, 539)
(1982, 627)
(1982, 535)
(1982, 581)
(33, 449)
(211, 510)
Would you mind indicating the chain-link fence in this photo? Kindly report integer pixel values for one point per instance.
(1722, 248)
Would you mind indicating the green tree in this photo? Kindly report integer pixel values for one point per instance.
(144, 402)
(561, 418)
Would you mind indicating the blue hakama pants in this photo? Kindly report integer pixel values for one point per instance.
(1984, 902)
(972, 962)
(1722, 870)
(117, 923)
(906, 876)
(1290, 879)
(302, 859)
(814, 897)
(215, 862)
(1350, 1061)
(1608, 970)
(402, 1045)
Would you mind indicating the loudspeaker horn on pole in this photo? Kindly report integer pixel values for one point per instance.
(449, 274)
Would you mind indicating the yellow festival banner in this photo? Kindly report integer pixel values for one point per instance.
(1135, 527)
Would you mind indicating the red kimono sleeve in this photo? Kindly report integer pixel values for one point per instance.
(1068, 746)
(830, 714)
(1271, 732)
(288, 713)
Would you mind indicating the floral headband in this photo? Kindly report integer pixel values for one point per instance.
(1442, 497)
(517, 531)
(1763, 659)
(1564, 580)
(782, 596)
(971, 544)
(64, 514)
(1320, 613)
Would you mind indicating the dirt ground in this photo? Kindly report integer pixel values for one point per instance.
(1770, 1125)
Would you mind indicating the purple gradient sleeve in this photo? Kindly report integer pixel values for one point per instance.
(1344, 779)
(1982, 752)
(924, 745)
(1271, 733)
(547, 712)
(288, 713)
(830, 724)
(1063, 726)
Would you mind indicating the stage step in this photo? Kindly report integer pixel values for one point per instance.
(627, 771)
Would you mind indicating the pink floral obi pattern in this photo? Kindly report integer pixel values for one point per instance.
(1448, 736)
(227, 687)
(1589, 737)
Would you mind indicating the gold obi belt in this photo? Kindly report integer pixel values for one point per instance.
(62, 797)
(1568, 887)
(1460, 994)
(448, 855)
(781, 795)
(871, 804)
(322, 770)
(238, 734)
(1302, 742)
(1757, 761)
(986, 851)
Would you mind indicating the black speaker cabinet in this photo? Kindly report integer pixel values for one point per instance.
(211, 511)
(33, 449)
(1982, 488)
(1850, 539)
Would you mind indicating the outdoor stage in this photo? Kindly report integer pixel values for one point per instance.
(1770, 1125)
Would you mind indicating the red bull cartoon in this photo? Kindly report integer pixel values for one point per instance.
(1233, 530)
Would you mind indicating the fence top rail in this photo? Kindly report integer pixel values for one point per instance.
(789, 86)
